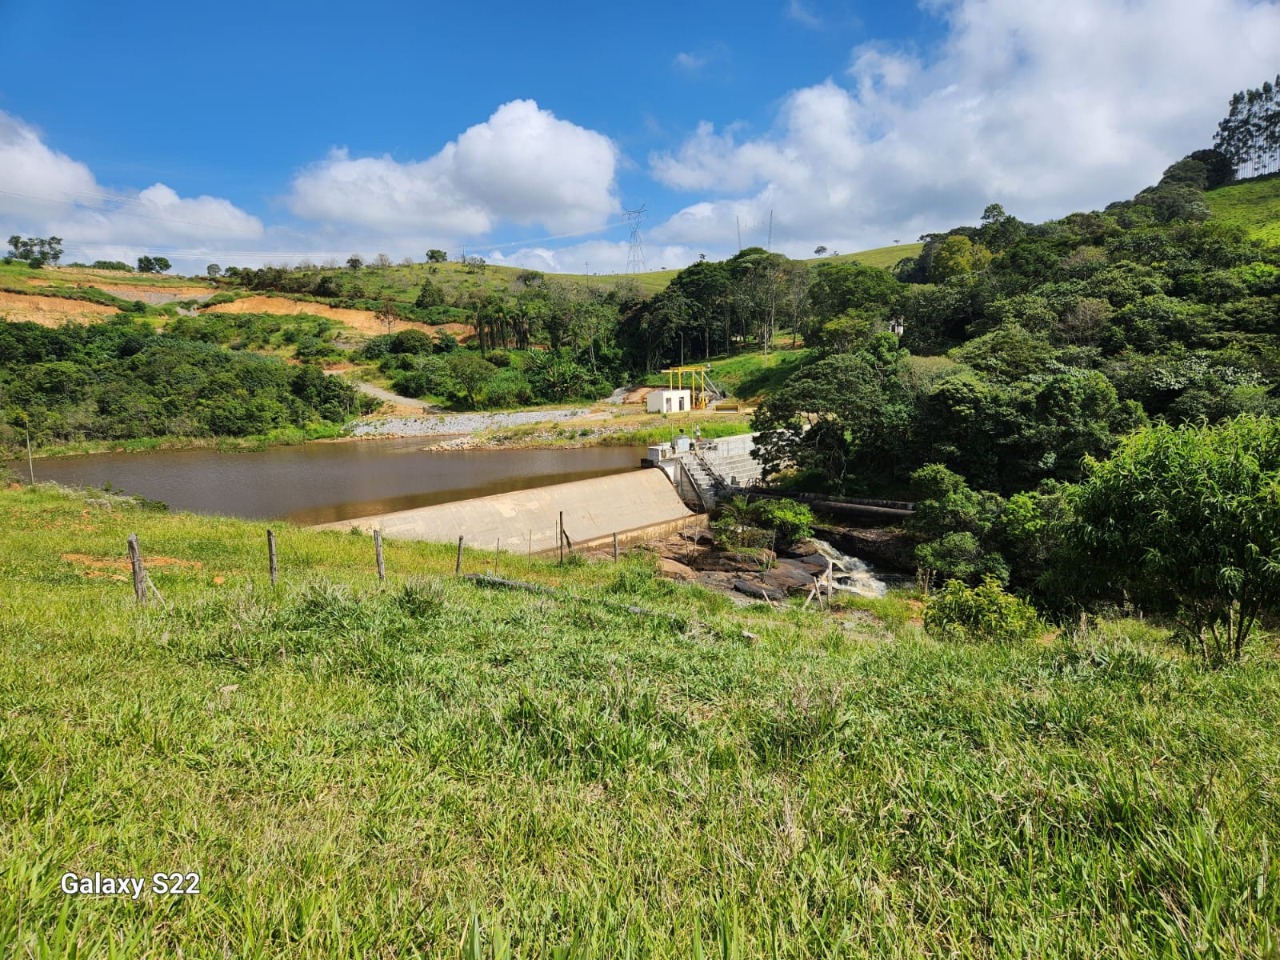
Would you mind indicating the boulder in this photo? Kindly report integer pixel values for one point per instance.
(758, 591)
(675, 570)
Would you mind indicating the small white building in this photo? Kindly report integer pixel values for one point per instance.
(669, 401)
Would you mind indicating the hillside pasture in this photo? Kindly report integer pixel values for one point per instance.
(1253, 204)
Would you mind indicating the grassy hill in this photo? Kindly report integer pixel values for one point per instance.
(884, 257)
(402, 282)
(359, 769)
(1254, 204)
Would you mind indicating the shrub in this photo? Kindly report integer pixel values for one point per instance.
(411, 341)
(377, 347)
(792, 520)
(1185, 519)
(508, 389)
(985, 612)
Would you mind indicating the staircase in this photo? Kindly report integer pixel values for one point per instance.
(717, 469)
(738, 470)
(707, 483)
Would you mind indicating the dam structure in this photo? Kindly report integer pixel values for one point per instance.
(638, 505)
(705, 472)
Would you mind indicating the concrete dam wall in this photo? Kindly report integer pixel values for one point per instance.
(636, 506)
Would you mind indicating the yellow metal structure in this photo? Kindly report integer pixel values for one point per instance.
(699, 383)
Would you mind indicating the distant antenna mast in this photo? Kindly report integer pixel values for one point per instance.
(635, 254)
(769, 245)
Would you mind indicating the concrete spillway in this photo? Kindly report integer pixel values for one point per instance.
(636, 505)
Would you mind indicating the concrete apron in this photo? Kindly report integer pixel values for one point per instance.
(637, 506)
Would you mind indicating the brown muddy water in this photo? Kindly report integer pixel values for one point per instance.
(327, 482)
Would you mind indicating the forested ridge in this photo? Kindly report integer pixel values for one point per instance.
(121, 380)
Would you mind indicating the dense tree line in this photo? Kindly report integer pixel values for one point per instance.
(1029, 352)
(121, 380)
(1249, 135)
(421, 366)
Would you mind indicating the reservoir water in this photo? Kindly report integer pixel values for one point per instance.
(327, 482)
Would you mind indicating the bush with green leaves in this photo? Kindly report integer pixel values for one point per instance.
(508, 389)
(790, 519)
(959, 612)
(954, 526)
(1186, 519)
(766, 523)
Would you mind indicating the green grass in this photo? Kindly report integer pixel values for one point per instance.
(387, 771)
(712, 425)
(884, 257)
(1253, 204)
(748, 376)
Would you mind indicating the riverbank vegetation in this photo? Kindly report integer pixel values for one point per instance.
(121, 380)
(429, 768)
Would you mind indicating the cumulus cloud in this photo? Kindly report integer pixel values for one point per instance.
(523, 165)
(35, 181)
(688, 61)
(1043, 107)
(45, 192)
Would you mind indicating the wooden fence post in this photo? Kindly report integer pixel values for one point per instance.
(457, 567)
(139, 574)
(271, 556)
(496, 547)
(560, 536)
(615, 547)
(377, 550)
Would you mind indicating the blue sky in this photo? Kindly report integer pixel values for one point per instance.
(272, 132)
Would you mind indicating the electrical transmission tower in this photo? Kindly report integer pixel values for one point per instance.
(635, 254)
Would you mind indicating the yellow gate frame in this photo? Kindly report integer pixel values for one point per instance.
(698, 383)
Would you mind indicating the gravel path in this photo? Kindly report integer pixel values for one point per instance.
(390, 397)
(456, 423)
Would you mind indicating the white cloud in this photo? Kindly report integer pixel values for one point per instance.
(523, 165)
(1043, 107)
(604, 256)
(797, 11)
(689, 61)
(36, 181)
(47, 193)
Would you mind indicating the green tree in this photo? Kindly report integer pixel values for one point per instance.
(437, 256)
(957, 255)
(953, 524)
(148, 264)
(1186, 519)
(472, 374)
(429, 296)
(846, 407)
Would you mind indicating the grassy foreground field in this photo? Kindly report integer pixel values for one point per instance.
(429, 768)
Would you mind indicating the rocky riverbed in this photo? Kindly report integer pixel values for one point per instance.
(460, 423)
(764, 574)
